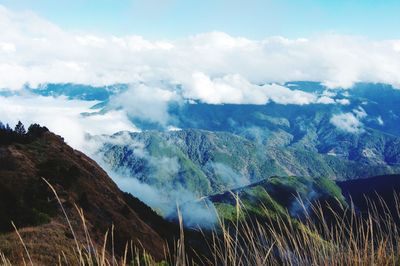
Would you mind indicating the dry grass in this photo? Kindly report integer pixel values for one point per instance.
(343, 238)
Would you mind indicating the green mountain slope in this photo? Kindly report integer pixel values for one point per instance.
(205, 162)
(287, 197)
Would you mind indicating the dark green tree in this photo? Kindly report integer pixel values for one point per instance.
(35, 130)
(8, 128)
(20, 129)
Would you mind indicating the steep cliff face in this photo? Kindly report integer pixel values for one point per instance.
(81, 184)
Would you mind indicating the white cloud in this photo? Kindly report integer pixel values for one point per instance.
(343, 101)
(7, 47)
(379, 120)
(396, 46)
(63, 117)
(90, 40)
(35, 51)
(347, 122)
(326, 100)
(350, 122)
(150, 101)
(360, 112)
(145, 102)
(235, 89)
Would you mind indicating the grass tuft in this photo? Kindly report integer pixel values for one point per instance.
(327, 235)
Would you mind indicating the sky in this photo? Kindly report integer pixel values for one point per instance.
(257, 19)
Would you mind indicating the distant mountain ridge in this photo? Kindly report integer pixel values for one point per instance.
(298, 139)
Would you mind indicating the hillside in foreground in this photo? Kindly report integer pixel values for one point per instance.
(81, 184)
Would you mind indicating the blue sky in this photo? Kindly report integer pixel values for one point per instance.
(253, 18)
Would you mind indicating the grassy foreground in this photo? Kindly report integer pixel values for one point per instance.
(324, 236)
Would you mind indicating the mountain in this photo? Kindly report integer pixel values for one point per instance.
(353, 134)
(307, 128)
(206, 162)
(349, 134)
(292, 197)
(288, 197)
(381, 185)
(378, 104)
(277, 200)
(80, 183)
(373, 191)
(199, 161)
(359, 125)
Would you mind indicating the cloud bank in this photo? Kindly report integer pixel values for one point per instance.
(235, 89)
(63, 117)
(35, 51)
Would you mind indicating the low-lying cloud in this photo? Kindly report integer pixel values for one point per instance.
(155, 184)
(147, 102)
(63, 117)
(229, 176)
(347, 122)
(150, 101)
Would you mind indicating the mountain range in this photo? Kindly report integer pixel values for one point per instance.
(277, 160)
(350, 134)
